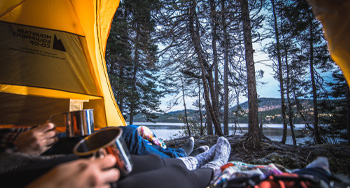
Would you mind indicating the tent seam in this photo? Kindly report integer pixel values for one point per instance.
(9, 10)
(52, 89)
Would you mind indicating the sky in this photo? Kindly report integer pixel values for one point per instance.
(270, 89)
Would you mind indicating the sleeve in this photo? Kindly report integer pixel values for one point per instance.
(8, 136)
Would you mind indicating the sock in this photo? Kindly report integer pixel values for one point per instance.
(188, 146)
(221, 154)
(190, 162)
(195, 162)
(205, 157)
(199, 150)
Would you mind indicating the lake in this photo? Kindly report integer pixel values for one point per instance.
(168, 131)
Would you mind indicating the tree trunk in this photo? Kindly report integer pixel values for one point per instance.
(134, 78)
(299, 109)
(236, 121)
(208, 121)
(200, 107)
(314, 89)
(226, 91)
(290, 113)
(237, 110)
(206, 71)
(215, 106)
(213, 23)
(184, 102)
(253, 127)
(214, 119)
(120, 96)
(280, 74)
(261, 123)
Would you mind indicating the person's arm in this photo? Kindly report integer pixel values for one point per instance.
(81, 173)
(37, 140)
(8, 135)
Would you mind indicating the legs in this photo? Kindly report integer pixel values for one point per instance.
(137, 145)
(199, 150)
(188, 147)
(152, 171)
(148, 171)
(221, 155)
(214, 158)
(174, 176)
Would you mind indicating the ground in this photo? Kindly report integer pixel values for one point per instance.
(291, 157)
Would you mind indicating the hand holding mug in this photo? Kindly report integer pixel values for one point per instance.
(82, 173)
(37, 140)
(104, 142)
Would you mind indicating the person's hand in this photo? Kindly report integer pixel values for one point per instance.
(36, 141)
(81, 173)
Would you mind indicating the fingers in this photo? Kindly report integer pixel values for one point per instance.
(46, 144)
(51, 141)
(48, 130)
(47, 126)
(49, 134)
(98, 171)
(107, 173)
(107, 162)
(46, 136)
(37, 140)
(111, 175)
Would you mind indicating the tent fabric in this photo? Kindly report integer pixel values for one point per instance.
(52, 52)
(335, 18)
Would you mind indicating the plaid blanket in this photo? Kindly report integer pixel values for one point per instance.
(237, 174)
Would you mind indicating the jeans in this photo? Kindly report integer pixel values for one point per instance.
(138, 146)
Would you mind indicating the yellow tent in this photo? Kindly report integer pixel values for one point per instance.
(52, 56)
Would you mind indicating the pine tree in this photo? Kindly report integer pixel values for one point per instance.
(307, 35)
(340, 119)
(118, 57)
(132, 58)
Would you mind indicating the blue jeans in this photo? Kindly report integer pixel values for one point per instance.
(138, 146)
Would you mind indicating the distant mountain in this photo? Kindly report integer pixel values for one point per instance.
(266, 104)
(263, 102)
(171, 117)
(269, 109)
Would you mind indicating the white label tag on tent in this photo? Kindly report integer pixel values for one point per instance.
(44, 58)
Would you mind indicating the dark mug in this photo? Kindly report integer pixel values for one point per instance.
(106, 141)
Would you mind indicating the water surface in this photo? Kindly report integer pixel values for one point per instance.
(168, 131)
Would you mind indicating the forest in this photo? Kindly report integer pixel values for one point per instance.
(205, 49)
